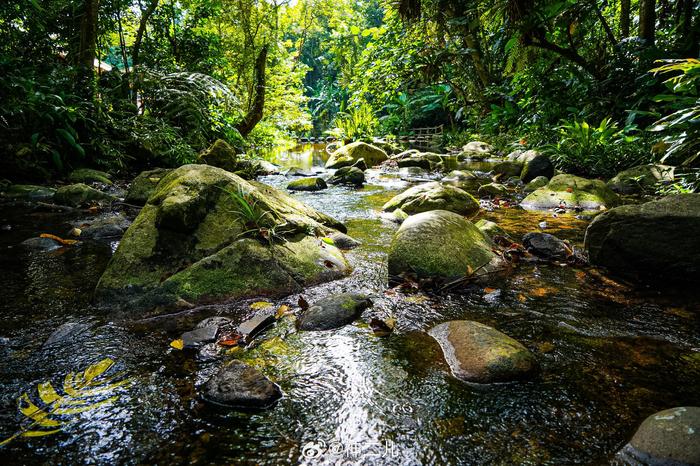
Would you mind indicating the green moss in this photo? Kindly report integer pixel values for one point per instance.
(87, 175)
(433, 196)
(351, 153)
(572, 191)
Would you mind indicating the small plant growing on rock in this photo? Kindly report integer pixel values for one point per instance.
(262, 223)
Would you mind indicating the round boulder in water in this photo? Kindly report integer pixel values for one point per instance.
(307, 184)
(238, 385)
(433, 196)
(670, 437)
(334, 311)
(478, 353)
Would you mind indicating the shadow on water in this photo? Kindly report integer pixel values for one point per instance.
(610, 354)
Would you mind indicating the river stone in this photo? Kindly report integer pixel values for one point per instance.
(433, 196)
(657, 241)
(477, 149)
(267, 168)
(669, 437)
(88, 175)
(539, 182)
(412, 174)
(307, 184)
(191, 242)
(522, 156)
(481, 354)
(79, 194)
(465, 180)
(67, 333)
(572, 192)
(107, 226)
(334, 311)
(415, 162)
(490, 229)
(441, 245)
(360, 164)
(348, 175)
(256, 324)
(546, 246)
(199, 336)
(28, 192)
(220, 154)
(144, 184)
(349, 154)
(492, 189)
(238, 385)
(405, 154)
(539, 165)
(41, 244)
(641, 179)
(507, 169)
(343, 241)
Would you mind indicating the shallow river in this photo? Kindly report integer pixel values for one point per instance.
(610, 355)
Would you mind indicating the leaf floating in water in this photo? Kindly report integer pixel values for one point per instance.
(83, 391)
(282, 311)
(260, 305)
(231, 339)
(177, 344)
(65, 242)
(382, 328)
(328, 240)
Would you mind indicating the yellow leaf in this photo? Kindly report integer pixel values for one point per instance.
(65, 242)
(47, 393)
(260, 305)
(97, 369)
(282, 311)
(35, 413)
(82, 409)
(39, 433)
(177, 344)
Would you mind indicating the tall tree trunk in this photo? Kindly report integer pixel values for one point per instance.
(647, 21)
(255, 113)
(87, 51)
(477, 58)
(625, 18)
(143, 22)
(684, 28)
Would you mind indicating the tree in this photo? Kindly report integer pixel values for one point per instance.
(255, 113)
(647, 21)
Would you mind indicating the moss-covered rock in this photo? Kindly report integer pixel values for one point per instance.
(80, 194)
(220, 154)
(641, 179)
(506, 169)
(656, 241)
(144, 184)
(334, 311)
(28, 192)
(348, 175)
(441, 245)
(88, 175)
(477, 150)
(349, 154)
(492, 190)
(490, 229)
(539, 165)
(572, 192)
(539, 182)
(433, 196)
(307, 184)
(465, 180)
(522, 156)
(415, 161)
(192, 241)
(480, 354)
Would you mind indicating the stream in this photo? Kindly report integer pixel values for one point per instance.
(610, 354)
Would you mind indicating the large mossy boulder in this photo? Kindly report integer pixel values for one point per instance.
(79, 194)
(88, 175)
(347, 155)
(441, 245)
(572, 192)
(670, 437)
(640, 179)
(207, 235)
(537, 166)
(307, 184)
(144, 184)
(506, 169)
(220, 154)
(348, 175)
(478, 353)
(433, 196)
(658, 241)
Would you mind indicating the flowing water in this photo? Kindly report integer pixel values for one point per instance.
(610, 355)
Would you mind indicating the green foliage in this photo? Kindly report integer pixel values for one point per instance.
(261, 222)
(601, 150)
(682, 125)
(357, 123)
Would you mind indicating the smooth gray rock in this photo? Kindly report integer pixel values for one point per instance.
(334, 311)
(199, 336)
(41, 244)
(238, 385)
(546, 246)
(256, 324)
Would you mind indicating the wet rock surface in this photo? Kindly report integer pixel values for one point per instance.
(238, 385)
(334, 311)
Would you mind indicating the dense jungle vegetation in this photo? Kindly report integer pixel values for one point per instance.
(123, 84)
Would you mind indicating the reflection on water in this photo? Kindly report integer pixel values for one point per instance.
(610, 354)
(304, 156)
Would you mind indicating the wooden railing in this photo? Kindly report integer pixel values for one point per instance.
(424, 136)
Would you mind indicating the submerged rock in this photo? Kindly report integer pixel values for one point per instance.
(144, 184)
(41, 244)
(433, 196)
(348, 175)
(67, 333)
(343, 241)
(669, 437)
(76, 195)
(88, 175)
(546, 246)
(656, 241)
(571, 192)
(349, 154)
(193, 241)
(481, 354)
(334, 311)
(643, 178)
(28, 192)
(238, 385)
(441, 245)
(307, 184)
